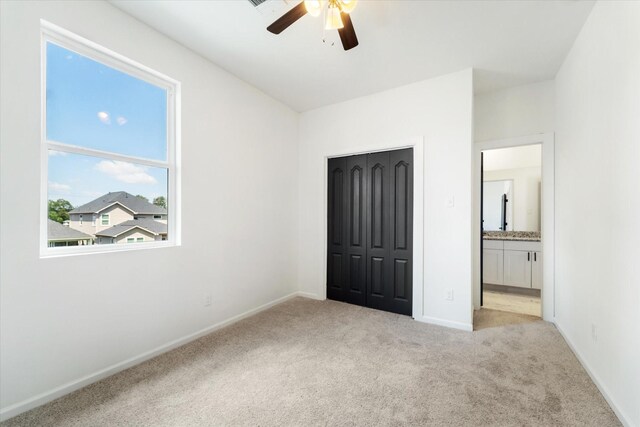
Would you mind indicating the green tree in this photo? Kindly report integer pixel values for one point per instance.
(59, 210)
(142, 197)
(160, 201)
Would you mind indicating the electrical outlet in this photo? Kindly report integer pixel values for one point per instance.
(448, 295)
(594, 332)
(207, 300)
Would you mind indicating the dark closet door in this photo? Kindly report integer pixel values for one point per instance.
(356, 230)
(370, 230)
(390, 231)
(378, 236)
(401, 231)
(337, 214)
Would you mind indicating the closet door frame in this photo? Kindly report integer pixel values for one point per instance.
(417, 143)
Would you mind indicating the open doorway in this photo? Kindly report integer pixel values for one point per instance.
(511, 239)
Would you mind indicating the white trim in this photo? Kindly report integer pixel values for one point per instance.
(103, 248)
(48, 396)
(99, 53)
(127, 230)
(52, 33)
(115, 203)
(44, 152)
(603, 390)
(417, 143)
(84, 151)
(447, 323)
(547, 215)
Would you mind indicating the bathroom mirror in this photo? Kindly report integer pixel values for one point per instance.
(497, 205)
(511, 189)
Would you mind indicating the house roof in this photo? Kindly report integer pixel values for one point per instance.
(135, 204)
(57, 231)
(148, 225)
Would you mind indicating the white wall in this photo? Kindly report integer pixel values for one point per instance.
(63, 318)
(517, 111)
(440, 110)
(598, 202)
(525, 196)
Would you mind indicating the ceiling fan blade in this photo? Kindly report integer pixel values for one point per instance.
(287, 19)
(347, 33)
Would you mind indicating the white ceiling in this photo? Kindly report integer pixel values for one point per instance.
(509, 43)
(528, 156)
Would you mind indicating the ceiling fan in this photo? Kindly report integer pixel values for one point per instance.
(336, 18)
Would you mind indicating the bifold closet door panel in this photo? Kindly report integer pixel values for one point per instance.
(378, 248)
(355, 292)
(336, 229)
(401, 230)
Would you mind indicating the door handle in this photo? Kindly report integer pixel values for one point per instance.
(528, 256)
(535, 256)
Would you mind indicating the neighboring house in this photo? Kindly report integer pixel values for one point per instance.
(63, 235)
(114, 209)
(133, 231)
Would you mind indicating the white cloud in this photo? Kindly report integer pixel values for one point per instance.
(57, 187)
(125, 172)
(103, 116)
(121, 120)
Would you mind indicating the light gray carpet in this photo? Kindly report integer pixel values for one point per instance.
(310, 362)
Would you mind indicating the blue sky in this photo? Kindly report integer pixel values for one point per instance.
(80, 179)
(95, 106)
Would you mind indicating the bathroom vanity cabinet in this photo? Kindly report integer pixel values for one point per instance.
(512, 263)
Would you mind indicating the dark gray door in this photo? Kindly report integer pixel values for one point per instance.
(356, 289)
(336, 264)
(370, 226)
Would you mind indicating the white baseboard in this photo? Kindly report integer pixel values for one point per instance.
(448, 323)
(603, 390)
(309, 295)
(46, 397)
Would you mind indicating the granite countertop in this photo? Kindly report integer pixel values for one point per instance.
(526, 236)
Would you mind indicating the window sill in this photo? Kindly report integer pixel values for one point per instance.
(103, 249)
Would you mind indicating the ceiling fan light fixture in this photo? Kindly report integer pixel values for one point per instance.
(334, 21)
(314, 7)
(347, 6)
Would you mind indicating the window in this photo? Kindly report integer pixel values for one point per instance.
(140, 239)
(109, 142)
(130, 240)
